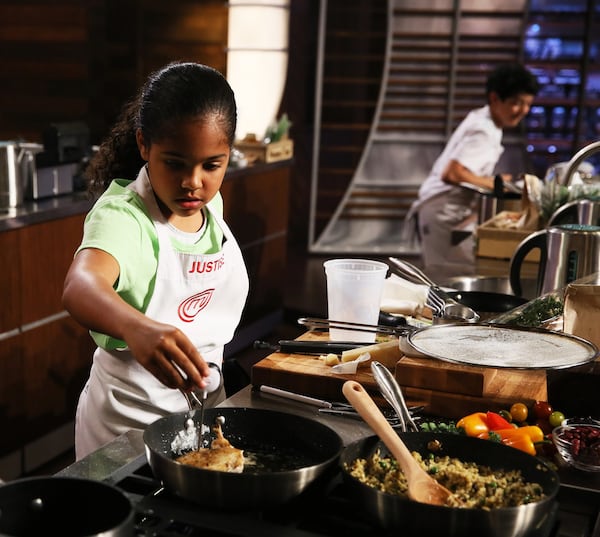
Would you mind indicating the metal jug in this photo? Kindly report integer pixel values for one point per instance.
(17, 168)
(567, 252)
(583, 211)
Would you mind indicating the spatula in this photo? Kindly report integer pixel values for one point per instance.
(421, 486)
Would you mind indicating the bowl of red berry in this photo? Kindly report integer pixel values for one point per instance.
(577, 441)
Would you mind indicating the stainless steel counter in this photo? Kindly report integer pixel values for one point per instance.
(35, 212)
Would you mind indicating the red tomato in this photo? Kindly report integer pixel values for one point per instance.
(544, 425)
(542, 410)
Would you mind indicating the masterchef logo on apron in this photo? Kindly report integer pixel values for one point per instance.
(193, 305)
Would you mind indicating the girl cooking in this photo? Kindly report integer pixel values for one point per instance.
(158, 278)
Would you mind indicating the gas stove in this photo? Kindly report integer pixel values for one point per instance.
(323, 510)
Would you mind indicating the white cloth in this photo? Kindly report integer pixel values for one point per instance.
(203, 295)
(401, 296)
(477, 145)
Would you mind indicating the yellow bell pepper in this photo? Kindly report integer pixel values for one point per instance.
(474, 425)
(533, 431)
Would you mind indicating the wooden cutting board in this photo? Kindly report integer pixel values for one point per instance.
(308, 375)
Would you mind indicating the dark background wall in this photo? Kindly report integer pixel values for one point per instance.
(80, 60)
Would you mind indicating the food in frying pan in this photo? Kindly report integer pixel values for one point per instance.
(472, 485)
(221, 455)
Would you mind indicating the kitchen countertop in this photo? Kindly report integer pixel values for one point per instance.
(43, 210)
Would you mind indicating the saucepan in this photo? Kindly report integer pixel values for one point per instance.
(291, 452)
(396, 513)
(65, 506)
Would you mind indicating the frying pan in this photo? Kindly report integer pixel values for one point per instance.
(291, 452)
(393, 512)
(65, 506)
(487, 304)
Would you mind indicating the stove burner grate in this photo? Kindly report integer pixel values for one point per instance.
(322, 510)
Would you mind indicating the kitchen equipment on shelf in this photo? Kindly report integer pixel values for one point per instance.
(444, 308)
(422, 487)
(568, 252)
(17, 169)
(289, 452)
(66, 506)
(399, 514)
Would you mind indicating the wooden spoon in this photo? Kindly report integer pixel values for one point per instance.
(421, 486)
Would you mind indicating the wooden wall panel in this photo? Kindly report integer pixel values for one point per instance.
(80, 60)
(10, 282)
(46, 254)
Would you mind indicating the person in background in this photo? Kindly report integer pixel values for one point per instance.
(470, 156)
(158, 278)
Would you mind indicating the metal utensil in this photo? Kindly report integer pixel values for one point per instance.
(295, 346)
(391, 391)
(421, 486)
(326, 324)
(443, 306)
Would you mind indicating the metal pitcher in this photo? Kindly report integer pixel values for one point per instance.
(567, 252)
(17, 168)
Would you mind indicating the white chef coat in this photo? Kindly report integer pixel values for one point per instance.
(202, 294)
(477, 145)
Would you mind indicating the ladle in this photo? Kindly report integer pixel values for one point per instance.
(421, 486)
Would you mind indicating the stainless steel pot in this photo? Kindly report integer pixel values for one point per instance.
(17, 169)
(395, 513)
(65, 506)
(290, 451)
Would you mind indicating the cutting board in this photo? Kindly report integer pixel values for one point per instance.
(308, 375)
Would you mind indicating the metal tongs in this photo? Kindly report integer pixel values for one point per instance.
(192, 436)
(443, 306)
(326, 324)
(392, 393)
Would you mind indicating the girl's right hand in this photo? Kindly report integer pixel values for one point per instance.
(169, 355)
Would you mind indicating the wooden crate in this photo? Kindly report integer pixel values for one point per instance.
(501, 243)
(260, 152)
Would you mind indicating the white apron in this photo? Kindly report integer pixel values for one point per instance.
(202, 294)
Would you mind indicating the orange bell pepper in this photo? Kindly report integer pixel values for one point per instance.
(523, 438)
(474, 425)
(533, 431)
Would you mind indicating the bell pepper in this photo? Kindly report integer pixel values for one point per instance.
(474, 425)
(522, 442)
(496, 422)
(533, 431)
(523, 438)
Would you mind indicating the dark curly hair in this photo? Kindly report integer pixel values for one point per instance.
(178, 91)
(510, 80)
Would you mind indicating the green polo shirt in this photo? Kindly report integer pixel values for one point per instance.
(119, 224)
